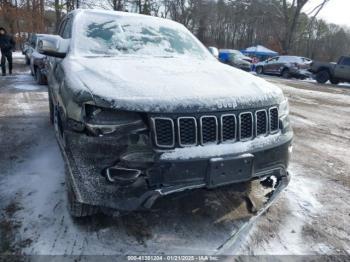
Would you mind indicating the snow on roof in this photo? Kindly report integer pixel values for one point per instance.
(259, 49)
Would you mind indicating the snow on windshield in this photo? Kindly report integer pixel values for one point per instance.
(131, 35)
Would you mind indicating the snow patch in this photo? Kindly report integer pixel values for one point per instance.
(17, 54)
(26, 87)
(299, 121)
(300, 196)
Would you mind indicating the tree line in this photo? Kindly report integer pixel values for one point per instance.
(280, 25)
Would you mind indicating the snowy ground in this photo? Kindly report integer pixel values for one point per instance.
(312, 216)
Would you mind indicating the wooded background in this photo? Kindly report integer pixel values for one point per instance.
(277, 24)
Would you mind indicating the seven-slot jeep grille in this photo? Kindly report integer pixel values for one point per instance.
(273, 112)
(182, 131)
(261, 122)
(246, 122)
(209, 129)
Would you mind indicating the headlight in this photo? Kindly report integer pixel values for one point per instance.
(283, 108)
(108, 116)
(283, 111)
(102, 121)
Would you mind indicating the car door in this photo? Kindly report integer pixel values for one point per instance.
(342, 69)
(271, 65)
(31, 48)
(283, 62)
(56, 75)
(33, 54)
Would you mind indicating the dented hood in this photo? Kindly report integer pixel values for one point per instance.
(169, 84)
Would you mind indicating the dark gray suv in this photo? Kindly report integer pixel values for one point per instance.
(285, 66)
(142, 110)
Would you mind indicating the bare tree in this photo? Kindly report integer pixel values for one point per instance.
(281, 25)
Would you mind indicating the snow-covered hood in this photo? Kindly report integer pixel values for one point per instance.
(169, 84)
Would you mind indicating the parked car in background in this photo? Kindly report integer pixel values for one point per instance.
(38, 63)
(214, 51)
(29, 47)
(333, 72)
(141, 110)
(25, 49)
(285, 66)
(235, 58)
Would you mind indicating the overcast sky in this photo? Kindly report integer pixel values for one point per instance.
(336, 11)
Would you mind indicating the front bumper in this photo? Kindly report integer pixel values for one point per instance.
(301, 73)
(165, 172)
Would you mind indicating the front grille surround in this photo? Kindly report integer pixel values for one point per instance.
(202, 133)
(179, 132)
(156, 134)
(240, 126)
(257, 134)
(217, 128)
(273, 127)
(223, 139)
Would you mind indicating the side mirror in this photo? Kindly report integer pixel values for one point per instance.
(53, 45)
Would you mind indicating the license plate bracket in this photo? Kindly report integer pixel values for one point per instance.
(228, 170)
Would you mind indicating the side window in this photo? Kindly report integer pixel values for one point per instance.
(345, 61)
(33, 41)
(37, 43)
(67, 32)
(285, 59)
(270, 60)
(275, 59)
(61, 27)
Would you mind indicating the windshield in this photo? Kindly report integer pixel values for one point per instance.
(114, 35)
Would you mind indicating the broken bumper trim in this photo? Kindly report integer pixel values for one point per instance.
(92, 188)
(233, 242)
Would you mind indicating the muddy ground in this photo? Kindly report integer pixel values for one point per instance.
(312, 216)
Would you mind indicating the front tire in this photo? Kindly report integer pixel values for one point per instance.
(39, 77)
(322, 77)
(259, 70)
(285, 74)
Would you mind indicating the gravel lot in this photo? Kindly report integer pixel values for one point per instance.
(312, 216)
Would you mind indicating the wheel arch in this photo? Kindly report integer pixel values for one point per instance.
(323, 68)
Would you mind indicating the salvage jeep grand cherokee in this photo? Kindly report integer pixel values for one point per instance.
(141, 110)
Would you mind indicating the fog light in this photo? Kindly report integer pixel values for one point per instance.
(121, 175)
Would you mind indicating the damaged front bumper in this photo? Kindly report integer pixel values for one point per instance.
(139, 177)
